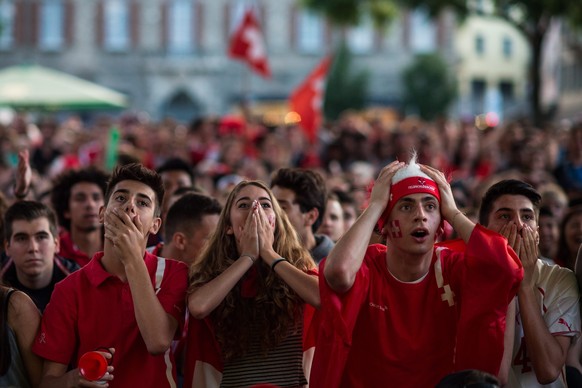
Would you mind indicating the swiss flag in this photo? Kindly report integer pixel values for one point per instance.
(247, 44)
(307, 99)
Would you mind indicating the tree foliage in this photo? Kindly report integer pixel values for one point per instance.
(346, 89)
(429, 88)
(350, 12)
(531, 17)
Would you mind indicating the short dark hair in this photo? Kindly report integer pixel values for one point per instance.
(61, 190)
(29, 211)
(469, 378)
(137, 172)
(507, 187)
(546, 211)
(189, 210)
(176, 164)
(309, 188)
(344, 197)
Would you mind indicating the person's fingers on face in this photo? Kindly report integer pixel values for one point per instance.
(261, 215)
(137, 222)
(512, 235)
(250, 215)
(125, 218)
(111, 220)
(517, 247)
(530, 242)
(504, 231)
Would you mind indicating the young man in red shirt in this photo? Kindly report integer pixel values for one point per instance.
(409, 313)
(125, 299)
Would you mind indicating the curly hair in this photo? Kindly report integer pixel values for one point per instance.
(61, 191)
(276, 308)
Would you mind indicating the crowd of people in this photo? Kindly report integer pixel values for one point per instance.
(230, 253)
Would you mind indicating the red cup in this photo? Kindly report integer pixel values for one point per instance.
(93, 365)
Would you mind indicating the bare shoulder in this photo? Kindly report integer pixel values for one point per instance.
(22, 310)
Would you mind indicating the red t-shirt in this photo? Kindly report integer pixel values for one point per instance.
(383, 331)
(403, 330)
(92, 308)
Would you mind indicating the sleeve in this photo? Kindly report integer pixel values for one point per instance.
(203, 362)
(488, 277)
(563, 315)
(57, 338)
(172, 293)
(337, 319)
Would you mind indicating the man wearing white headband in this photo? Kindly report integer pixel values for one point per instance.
(411, 312)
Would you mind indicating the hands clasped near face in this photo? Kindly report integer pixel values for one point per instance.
(524, 243)
(254, 226)
(126, 234)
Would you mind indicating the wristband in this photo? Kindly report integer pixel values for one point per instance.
(253, 258)
(276, 261)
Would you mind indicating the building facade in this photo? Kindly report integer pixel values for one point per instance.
(169, 56)
(493, 60)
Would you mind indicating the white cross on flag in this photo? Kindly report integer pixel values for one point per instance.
(307, 99)
(247, 44)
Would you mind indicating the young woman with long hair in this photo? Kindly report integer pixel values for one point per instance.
(249, 292)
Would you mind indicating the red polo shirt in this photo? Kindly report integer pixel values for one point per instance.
(92, 308)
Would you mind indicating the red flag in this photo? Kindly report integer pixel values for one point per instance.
(307, 99)
(247, 44)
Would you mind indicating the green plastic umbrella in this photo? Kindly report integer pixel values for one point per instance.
(35, 87)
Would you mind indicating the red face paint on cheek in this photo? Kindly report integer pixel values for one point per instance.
(395, 230)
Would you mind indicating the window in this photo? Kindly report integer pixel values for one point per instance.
(478, 96)
(506, 90)
(507, 47)
(360, 39)
(310, 32)
(423, 32)
(116, 28)
(51, 32)
(7, 15)
(480, 45)
(181, 27)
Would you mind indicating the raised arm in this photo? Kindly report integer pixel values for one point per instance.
(305, 285)
(546, 352)
(156, 326)
(203, 300)
(23, 175)
(461, 223)
(345, 259)
(508, 339)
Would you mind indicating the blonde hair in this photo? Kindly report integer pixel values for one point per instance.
(276, 307)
